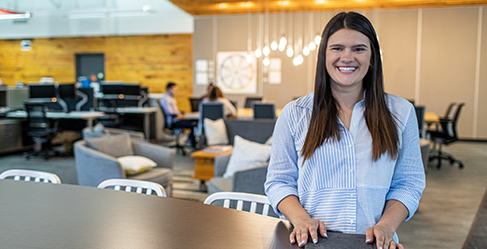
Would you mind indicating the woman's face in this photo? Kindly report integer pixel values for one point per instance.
(348, 54)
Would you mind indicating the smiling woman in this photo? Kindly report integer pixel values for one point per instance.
(346, 157)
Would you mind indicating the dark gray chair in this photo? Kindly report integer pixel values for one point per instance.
(249, 100)
(420, 110)
(446, 135)
(41, 129)
(264, 110)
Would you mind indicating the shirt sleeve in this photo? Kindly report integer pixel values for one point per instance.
(282, 173)
(408, 180)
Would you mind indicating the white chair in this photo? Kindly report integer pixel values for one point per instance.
(136, 186)
(30, 175)
(254, 200)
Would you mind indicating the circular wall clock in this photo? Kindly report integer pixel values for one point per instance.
(235, 72)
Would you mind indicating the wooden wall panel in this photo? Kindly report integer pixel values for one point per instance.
(152, 60)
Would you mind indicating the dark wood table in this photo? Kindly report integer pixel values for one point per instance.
(40, 215)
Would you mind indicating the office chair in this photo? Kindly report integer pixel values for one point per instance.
(30, 175)
(446, 135)
(264, 110)
(249, 100)
(195, 104)
(171, 130)
(229, 199)
(448, 114)
(420, 110)
(40, 129)
(211, 111)
(137, 186)
(234, 103)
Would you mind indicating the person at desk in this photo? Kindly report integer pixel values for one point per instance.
(174, 116)
(208, 90)
(216, 96)
(347, 157)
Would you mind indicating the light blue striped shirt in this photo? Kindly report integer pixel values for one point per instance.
(340, 184)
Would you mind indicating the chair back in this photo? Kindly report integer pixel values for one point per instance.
(452, 131)
(195, 104)
(37, 121)
(136, 186)
(30, 175)
(212, 111)
(238, 200)
(249, 100)
(264, 110)
(450, 111)
(165, 118)
(420, 110)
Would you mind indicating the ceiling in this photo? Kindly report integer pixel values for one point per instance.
(218, 7)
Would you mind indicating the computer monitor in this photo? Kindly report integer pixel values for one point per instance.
(42, 91)
(111, 89)
(131, 89)
(67, 91)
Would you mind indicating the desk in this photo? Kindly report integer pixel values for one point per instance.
(41, 215)
(88, 115)
(431, 117)
(242, 113)
(147, 111)
(204, 164)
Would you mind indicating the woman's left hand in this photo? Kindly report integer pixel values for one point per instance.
(382, 236)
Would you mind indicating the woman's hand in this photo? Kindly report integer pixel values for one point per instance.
(382, 236)
(305, 227)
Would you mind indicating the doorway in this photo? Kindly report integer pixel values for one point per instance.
(91, 66)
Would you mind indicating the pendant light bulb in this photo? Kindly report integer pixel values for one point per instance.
(282, 46)
(300, 59)
(283, 41)
(266, 61)
(295, 61)
(249, 58)
(317, 39)
(312, 46)
(258, 53)
(306, 51)
(274, 46)
(266, 51)
(289, 51)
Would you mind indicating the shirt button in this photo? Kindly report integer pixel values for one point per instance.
(351, 195)
(351, 221)
(354, 124)
(350, 146)
(350, 170)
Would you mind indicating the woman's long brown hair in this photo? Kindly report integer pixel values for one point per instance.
(324, 125)
(215, 93)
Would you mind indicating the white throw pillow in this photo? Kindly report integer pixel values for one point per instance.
(269, 141)
(136, 164)
(246, 154)
(215, 131)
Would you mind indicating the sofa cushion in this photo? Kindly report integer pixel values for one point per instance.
(116, 146)
(215, 131)
(136, 164)
(246, 154)
(219, 184)
(162, 176)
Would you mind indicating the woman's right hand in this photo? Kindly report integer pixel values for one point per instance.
(305, 227)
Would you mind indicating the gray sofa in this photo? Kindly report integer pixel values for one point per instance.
(94, 166)
(249, 180)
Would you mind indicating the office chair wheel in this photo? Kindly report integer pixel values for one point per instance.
(460, 165)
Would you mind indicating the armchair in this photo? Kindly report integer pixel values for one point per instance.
(248, 181)
(94, 166)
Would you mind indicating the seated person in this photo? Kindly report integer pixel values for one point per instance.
(208, 90)
(216, 96)
(175, 118)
